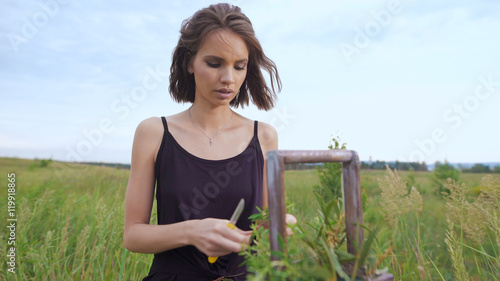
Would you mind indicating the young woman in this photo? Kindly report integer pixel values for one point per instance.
(205, 159)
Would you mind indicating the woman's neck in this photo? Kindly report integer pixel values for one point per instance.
(210, 119)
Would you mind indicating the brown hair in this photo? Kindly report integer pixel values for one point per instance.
(195, 29)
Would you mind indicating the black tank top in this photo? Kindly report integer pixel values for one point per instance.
(189, 187)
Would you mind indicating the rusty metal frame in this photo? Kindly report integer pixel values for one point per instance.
(276, 161)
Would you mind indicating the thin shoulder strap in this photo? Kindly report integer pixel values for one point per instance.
(164, 120)
(160, 151)
(255, 127)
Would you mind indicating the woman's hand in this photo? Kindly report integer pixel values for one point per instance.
(214, 238)
(290, 219)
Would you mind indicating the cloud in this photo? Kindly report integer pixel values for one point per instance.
(90, 54)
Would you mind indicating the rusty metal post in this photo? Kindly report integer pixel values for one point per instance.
(276, 161)
(352, 203)
(276, 197)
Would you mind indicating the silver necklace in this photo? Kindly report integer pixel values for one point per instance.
(210, 138)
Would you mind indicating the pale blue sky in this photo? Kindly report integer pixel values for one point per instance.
(405, 80)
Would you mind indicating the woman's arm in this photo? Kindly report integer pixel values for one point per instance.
(268, 137)
(211, 236)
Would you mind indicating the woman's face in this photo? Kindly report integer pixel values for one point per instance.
(219, 67)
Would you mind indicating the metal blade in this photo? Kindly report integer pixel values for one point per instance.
(238, 211)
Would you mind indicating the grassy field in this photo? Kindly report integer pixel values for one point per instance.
(70, 221)
(417, 242)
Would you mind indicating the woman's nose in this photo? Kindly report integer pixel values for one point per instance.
(227, 75)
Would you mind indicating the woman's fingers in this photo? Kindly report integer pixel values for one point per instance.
(215, 238)
(236, 235)
(290, 219)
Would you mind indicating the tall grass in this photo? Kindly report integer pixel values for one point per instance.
(413, 241)
(70, 223)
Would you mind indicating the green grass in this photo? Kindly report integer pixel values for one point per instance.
(419, 251)
(299, 186)
(70, 224)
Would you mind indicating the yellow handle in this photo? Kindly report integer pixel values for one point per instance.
(214, 259)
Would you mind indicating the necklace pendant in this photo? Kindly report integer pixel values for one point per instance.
(210, 138)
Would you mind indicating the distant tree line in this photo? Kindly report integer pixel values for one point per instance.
(401, 166)
(113, 165)
(480, 168)
(302, 166)
(375, 165)
(415, 166)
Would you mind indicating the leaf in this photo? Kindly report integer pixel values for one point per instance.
(328, 210)
(281, 242)
(365, 250)
(345, 256)
(333, 260)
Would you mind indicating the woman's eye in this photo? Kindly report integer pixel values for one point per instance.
(240, 67)
(214, 65)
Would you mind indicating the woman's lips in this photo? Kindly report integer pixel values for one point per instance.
(224, 93)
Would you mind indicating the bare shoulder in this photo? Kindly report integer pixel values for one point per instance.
(148, 136)
(268, 136)
(150, 127)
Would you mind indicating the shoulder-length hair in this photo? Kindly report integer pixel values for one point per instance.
(195, 29)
